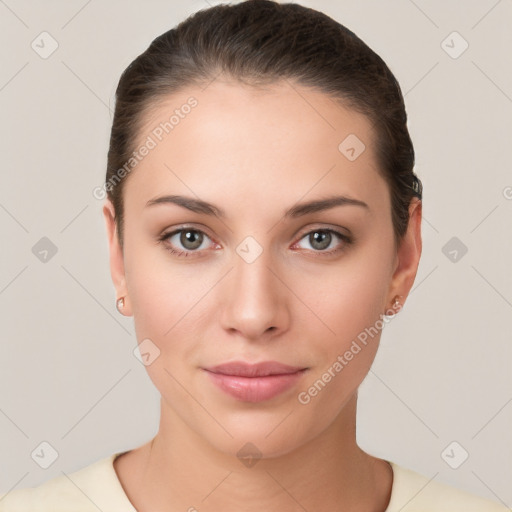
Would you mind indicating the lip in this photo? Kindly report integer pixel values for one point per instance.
(254, 382)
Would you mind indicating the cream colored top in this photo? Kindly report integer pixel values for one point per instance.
(97, 488)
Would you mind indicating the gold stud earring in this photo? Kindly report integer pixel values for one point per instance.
(120, 304)
(396, 303)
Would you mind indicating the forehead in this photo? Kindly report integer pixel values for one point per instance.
(230, 141)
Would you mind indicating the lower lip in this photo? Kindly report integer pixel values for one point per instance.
(255, 389)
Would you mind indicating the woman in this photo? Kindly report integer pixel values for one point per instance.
(263, 216)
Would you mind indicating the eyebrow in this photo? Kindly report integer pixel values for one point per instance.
(299, 210)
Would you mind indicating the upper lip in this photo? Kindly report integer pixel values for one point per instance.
(243, 369)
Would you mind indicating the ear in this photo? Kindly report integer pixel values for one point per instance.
(408, 255)
(116, 257)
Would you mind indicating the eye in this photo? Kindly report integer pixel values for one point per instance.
(190, 239)
(322, 239)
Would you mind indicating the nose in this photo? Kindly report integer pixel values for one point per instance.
(254, 299)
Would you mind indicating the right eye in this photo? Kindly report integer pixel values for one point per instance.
(184, 241)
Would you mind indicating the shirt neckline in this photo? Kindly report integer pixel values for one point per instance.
(127, 504)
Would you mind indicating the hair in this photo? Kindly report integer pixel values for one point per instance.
(258, 42)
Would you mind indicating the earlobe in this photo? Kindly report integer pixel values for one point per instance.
(117, 271)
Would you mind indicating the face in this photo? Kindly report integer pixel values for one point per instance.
(256, 275)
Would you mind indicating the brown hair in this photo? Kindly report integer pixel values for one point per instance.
(258, 42)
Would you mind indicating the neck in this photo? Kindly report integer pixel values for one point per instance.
(178, 470)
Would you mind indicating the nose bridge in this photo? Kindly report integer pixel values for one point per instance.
(252, 266)
(255, 300)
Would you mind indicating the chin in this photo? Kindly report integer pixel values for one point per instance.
(264, 437)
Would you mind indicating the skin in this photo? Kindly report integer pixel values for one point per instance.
(255, 153)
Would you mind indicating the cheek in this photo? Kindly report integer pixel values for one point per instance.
(349, 299)
(166, 305)
(163, 293)
(351, 308)
(350, 296)
(172, 306)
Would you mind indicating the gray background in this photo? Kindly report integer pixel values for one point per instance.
(68, 375)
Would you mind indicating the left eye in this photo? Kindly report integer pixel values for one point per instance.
(322, 239)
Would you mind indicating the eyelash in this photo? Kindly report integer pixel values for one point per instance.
(183, 254)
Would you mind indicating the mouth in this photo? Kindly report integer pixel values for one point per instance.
(254, 382)
(263, 369)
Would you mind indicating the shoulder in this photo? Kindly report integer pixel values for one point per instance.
(92, 488)
(413, 492)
